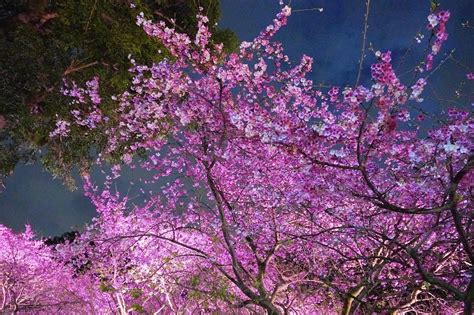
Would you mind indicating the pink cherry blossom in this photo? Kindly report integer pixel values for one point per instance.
(261, 193)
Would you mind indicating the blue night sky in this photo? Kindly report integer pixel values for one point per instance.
(332, 37)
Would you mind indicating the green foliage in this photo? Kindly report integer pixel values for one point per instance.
(228, 37)
(184, 12)
(136, 293)
(221, 293)
(137, 308)
(220, 289)
(194, 281)
(44, 42)
(105, 287)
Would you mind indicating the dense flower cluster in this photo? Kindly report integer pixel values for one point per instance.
(33, 280)
(88, 114)
(437, 23)
(417, 89)
(385, 78)
(62, 129)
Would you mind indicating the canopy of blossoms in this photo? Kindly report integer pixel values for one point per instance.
(265, 193)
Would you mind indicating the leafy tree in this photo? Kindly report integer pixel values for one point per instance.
(46, 42)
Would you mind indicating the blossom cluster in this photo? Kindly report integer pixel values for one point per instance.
(417, 89)
(86, 112)
(437, 23)
(62, 129)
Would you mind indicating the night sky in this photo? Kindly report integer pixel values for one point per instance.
(332, 37)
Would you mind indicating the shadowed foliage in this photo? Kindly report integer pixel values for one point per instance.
(47, 41)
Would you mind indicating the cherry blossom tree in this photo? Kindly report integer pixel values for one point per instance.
(300, 200)
(267, 194)
(32, 280)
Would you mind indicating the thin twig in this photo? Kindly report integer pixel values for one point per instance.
(364, 40)
(90, 16)
(70, 70)
(407, 51)
(459, 63)
(305, 10)
(450, 55)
